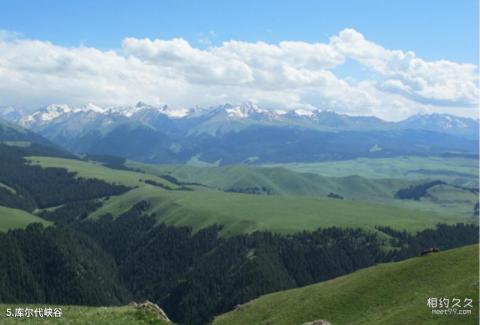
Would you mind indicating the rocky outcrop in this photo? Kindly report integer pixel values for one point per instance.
(154, 308)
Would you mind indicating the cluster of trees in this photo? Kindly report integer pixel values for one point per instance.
(416, 192)
(13, 199)
(335, 196)
(166, 187)
(70, 212)
(37, 187)
(57, 265)
(256, 190)
(157, 184)
(444, 236)
(109, 161)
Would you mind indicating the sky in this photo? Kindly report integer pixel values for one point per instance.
(391, 59)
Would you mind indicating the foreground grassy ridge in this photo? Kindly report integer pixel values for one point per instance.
(394, 293)
(242, 213)
(461, 171)
(80, 315)
(14, 218)
(96, 170)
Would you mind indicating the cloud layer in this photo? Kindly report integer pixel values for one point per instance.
(284, 75)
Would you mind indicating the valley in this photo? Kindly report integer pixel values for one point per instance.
(302, 202)
(199, 236)
(239, 162)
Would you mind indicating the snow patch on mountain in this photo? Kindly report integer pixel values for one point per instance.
(304, 112)
(245, 110)
(47, 114)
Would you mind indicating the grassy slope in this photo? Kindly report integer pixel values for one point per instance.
(446, 200)
(289, 183)
(394, 293)
(280, 180)
(246, 213)
(80, 315)
(14, 218)
(453, 199)
(399, 167)
(96, 170)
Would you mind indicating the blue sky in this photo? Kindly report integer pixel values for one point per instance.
(391, 59)
(440, 29)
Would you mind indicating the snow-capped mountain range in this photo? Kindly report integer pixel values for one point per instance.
(245, 132)
(247, 110)
(213, 119)
(241, 111)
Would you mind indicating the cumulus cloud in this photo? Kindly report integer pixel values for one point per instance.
(284, 75)
(438, 83)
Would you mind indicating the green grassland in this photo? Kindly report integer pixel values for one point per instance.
(284, 182)
(280, 181)
(446, 200)
(81, 315)
(452, 199)
(393, 293)
(455, 170)
(243, 213)
(96, 170)
(14, 218)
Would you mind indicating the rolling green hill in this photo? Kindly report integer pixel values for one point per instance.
(243, 213)
(277, 180)
(393, 293)
(287, 182)
(14, 218)
(94, 170)
(455, 170)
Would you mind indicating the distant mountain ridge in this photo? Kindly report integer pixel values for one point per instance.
(13, 133)
(243, 133)
(314, 118)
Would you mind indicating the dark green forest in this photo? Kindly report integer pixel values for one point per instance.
(56, 265)
(416, 192)
(193, 276)
(38, 187)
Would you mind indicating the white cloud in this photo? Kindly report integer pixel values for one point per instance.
(284, 75)
(441, 83)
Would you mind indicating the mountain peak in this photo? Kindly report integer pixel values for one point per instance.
(93, 108)
(247, 110)
(141, 104)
